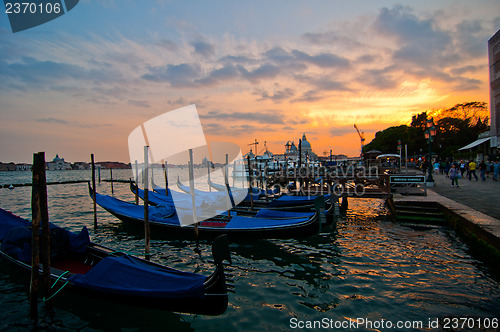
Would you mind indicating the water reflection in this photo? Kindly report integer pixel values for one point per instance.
(365, 265)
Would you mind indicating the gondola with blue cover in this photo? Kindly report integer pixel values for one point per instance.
(99, 272)
(264, 224)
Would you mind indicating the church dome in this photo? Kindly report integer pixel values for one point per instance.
(249, 154)
(304, 143)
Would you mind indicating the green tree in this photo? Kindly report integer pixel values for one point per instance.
(387, 140)
(455, 127)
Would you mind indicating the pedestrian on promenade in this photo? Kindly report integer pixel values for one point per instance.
(482, 168)
(496, 170)
(462, 168)
(453, 174)
(472, 170)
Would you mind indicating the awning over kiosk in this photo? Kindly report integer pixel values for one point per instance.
(475, 143)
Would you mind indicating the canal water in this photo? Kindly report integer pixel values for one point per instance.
(365, 268)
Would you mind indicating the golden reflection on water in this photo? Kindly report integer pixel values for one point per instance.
(363, 266)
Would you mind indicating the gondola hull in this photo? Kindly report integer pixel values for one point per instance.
(98, 272)
(236, 227)
(296, 204)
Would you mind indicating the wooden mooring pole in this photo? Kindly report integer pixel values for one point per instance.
(249, 180)
(111, 180)
(136, 183)
(193, 199)
(228, 189)
(165, 172)
(145, 179)
(208, 176)
(40, 215)
(94, 190)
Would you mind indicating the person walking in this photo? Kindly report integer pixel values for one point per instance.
(425, 165)
(482, 169)
(447, 167)
(472, 170)
(453, 174)
(496, 170)
(462, 168)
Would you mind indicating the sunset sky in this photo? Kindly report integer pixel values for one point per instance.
(266, 70)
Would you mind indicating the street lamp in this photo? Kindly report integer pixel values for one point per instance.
(430, 133)
(399, 149)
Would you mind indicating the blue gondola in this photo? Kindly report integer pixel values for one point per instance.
(235, 226)
(93, 270)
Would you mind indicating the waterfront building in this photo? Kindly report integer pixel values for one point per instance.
(292, 151)
(494, 66)
(81, 165)
(7, 167)
(23, 167)
(58, 164)
(249, 154)
(488, 143)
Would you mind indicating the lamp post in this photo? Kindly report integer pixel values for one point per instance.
(399, 149)
(430, 133)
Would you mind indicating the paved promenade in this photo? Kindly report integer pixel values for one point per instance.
(483, 196)
(475, 201)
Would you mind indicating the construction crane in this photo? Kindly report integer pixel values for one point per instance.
(255, 143)
(361, 137)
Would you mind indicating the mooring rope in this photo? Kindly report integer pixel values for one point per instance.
(130, 253)
(67, 281)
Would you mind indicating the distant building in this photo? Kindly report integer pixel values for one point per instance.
(113, 165)
(249, 154)
(7, 167)
(23, 167)
(292, 151)
(58, 164)
(81, 165)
